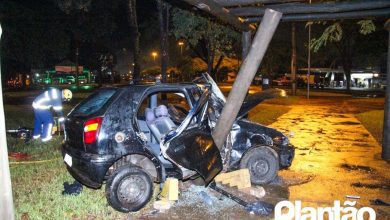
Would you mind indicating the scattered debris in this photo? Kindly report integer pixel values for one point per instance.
(256, 191)
(21, 133)
(352, 197)
(170, 189)
(260, 208)
(206, 198)
(162, 205)
(379, 202)
(72, 189)
(18, 155)
(239, 178)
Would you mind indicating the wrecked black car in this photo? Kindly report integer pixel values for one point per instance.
(135, 135)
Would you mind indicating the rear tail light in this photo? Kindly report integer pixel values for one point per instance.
(91, 130)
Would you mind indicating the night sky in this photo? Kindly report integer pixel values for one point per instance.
(38, 34)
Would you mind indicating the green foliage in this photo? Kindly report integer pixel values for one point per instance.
(334, 33)
(366, 27)
(194, 28)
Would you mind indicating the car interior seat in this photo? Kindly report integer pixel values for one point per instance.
(159, 122)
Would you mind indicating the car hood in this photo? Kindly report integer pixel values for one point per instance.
(218, 100)
(253, 100)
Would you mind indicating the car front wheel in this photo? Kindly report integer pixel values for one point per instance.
(129, 189)
(262, 164)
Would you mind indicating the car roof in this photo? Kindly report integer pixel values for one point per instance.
(142, 87)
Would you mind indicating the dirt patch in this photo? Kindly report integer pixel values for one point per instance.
(362, 145)
(339, 139)
(371, 185)
(291, 178)
(347, 123)
(349, 167)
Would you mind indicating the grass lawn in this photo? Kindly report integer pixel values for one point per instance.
(267, 114)
(373, 122)
(37, 182)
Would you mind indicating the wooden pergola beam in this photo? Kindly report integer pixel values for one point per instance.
(385, 12)
(230, 3)
(304, 8)
(221, 13)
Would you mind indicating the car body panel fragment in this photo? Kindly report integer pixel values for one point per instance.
(195, 149)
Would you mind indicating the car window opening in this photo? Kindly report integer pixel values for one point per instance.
(160, 113)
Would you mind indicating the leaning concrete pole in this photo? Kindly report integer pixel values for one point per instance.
(386, 122)
(245, 76)
(6, 204)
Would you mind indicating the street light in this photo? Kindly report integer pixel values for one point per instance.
(154, 55)
(181, 43)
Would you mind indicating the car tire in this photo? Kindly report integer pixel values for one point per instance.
(262, 163)
(129, 189)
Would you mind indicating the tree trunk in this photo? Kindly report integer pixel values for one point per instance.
(215, 69)
(136, 35)
(345, 48)
(210, 61)
(293, 60)
(163, 16)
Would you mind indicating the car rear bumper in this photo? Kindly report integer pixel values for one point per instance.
(88, 169)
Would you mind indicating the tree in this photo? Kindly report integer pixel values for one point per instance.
(136, 35)
(205, 37)
(343, 35)
(163, 17)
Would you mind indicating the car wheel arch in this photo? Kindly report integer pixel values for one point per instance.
(149, 163)
(264, 147)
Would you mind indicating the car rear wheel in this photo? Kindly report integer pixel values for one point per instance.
(129, 188)
(262, 164)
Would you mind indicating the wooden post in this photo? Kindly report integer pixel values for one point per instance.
(245, 76)
(386, 122)
(293, 60)
(6, 201)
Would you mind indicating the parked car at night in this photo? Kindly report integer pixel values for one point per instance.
(283, 81)
(130, 137)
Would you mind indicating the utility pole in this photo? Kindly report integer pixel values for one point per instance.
(386, 122)
(6, 200)
(293, 60)
(245, 76)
